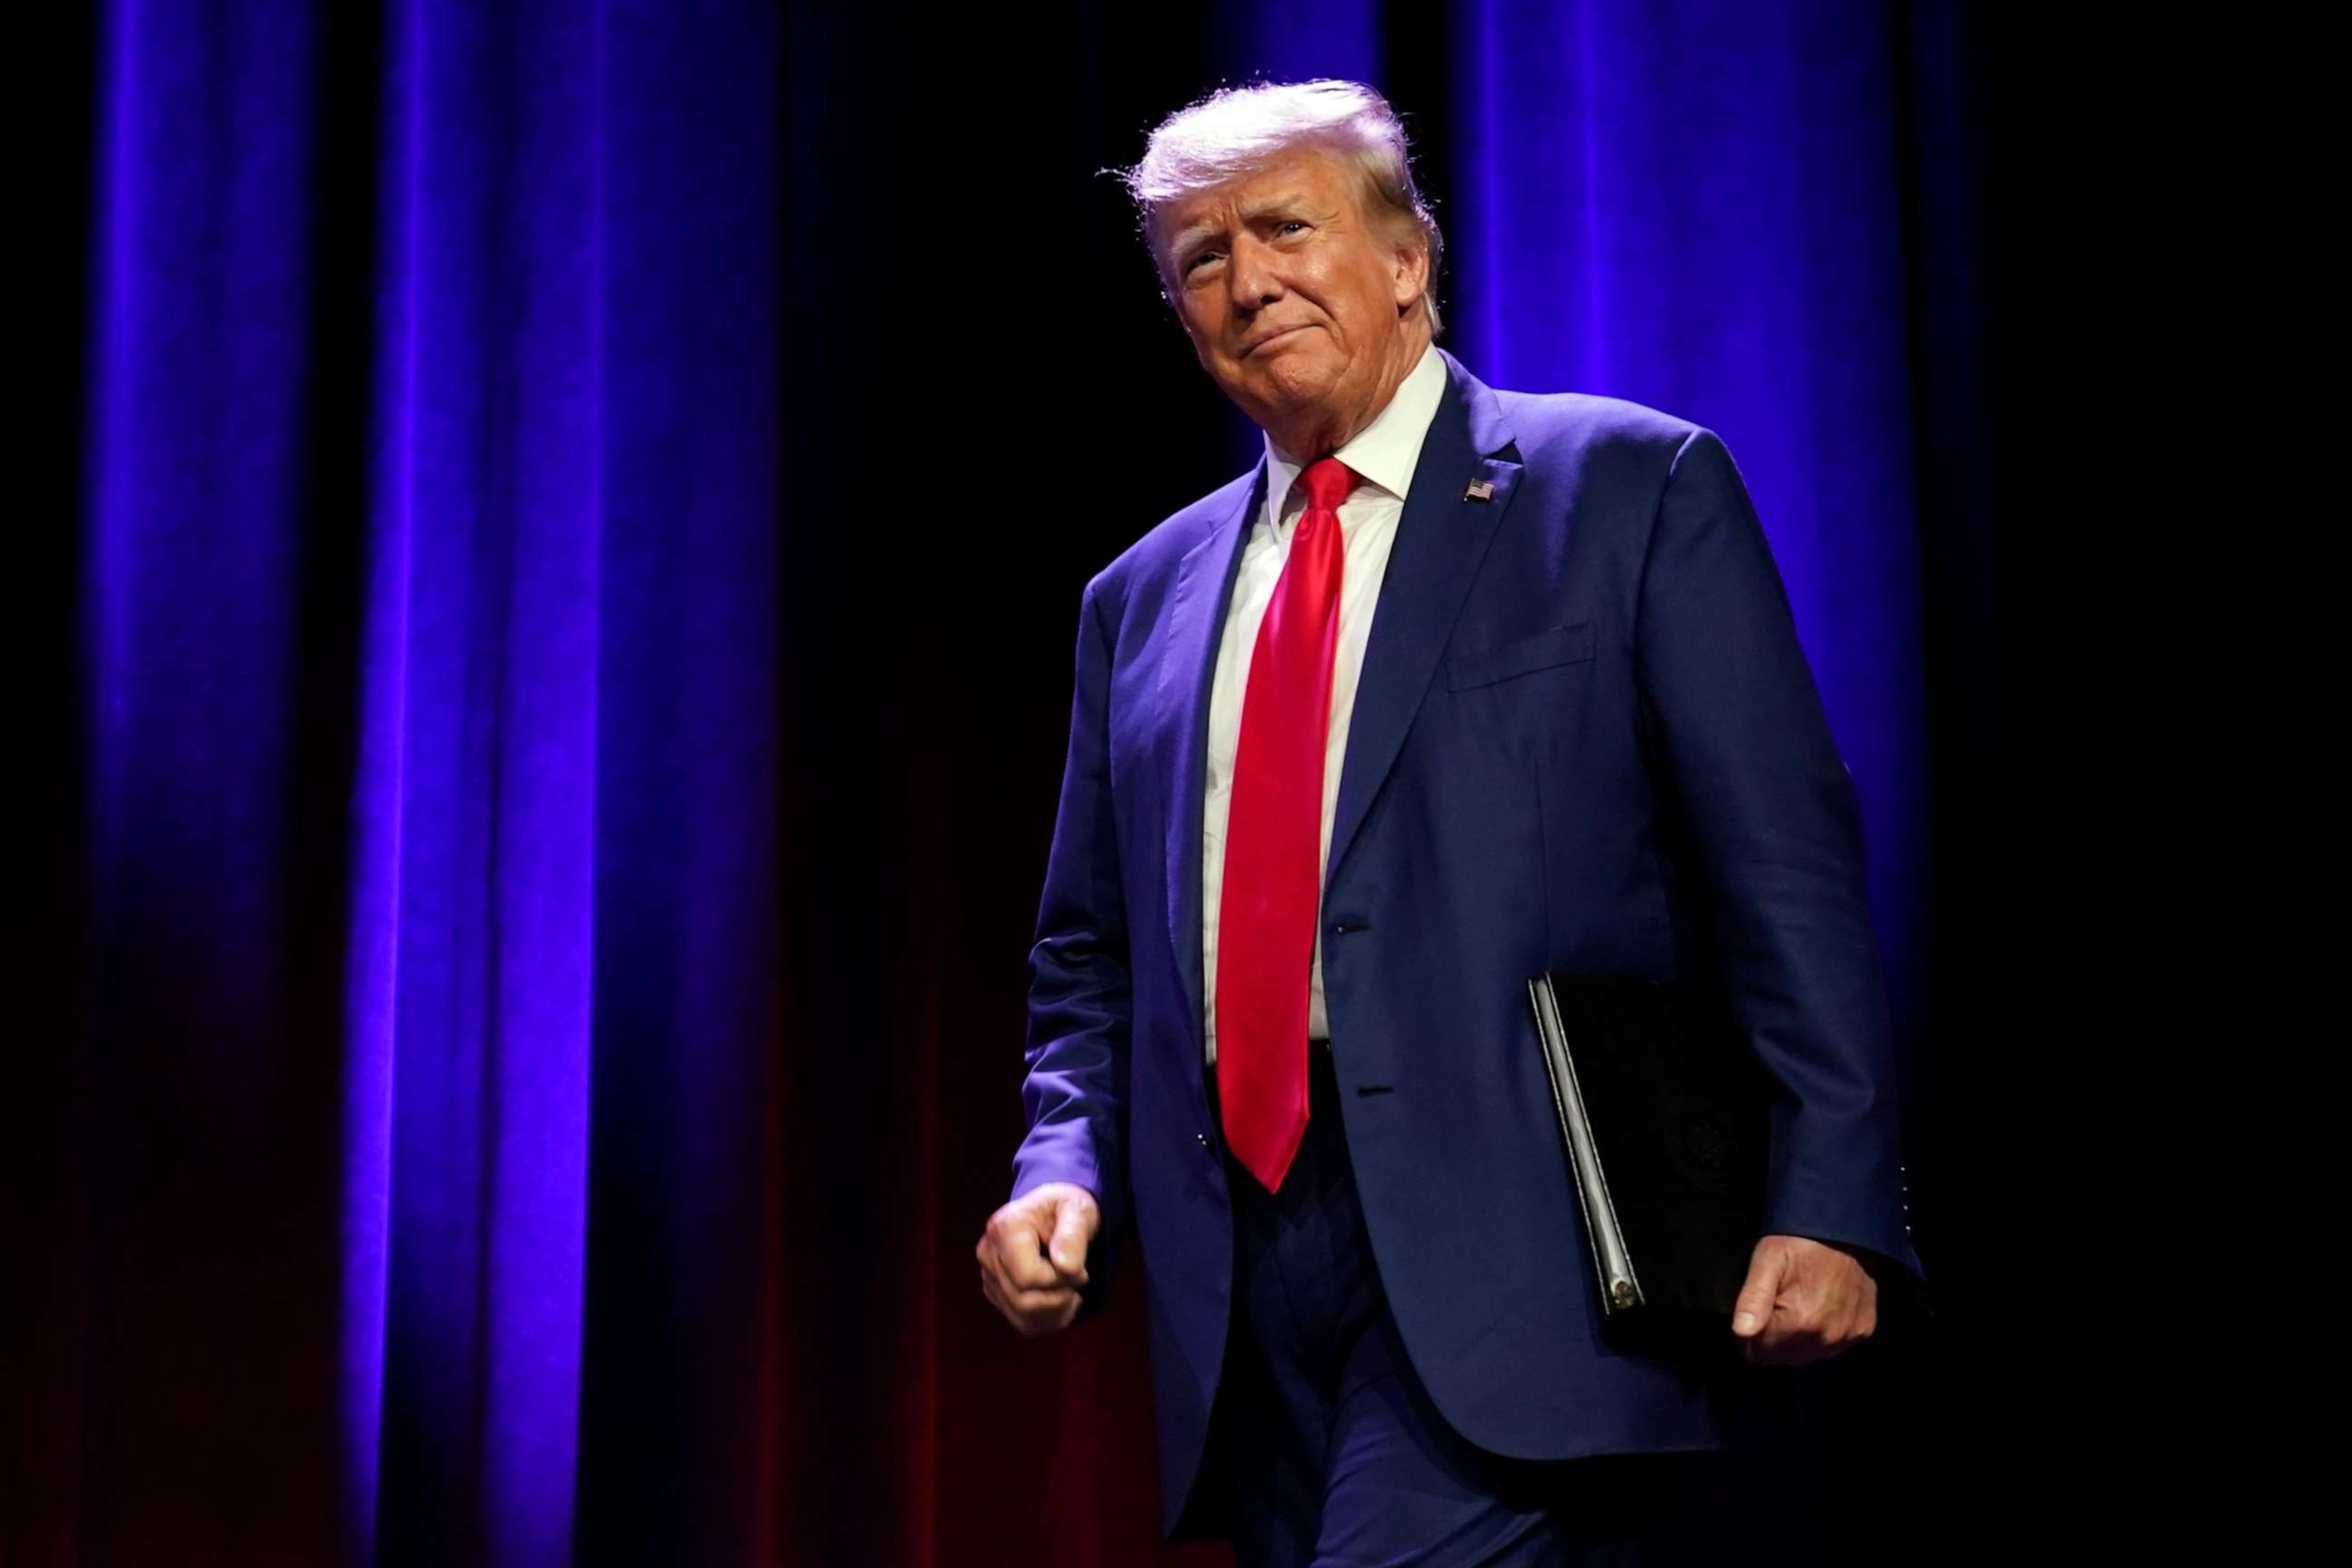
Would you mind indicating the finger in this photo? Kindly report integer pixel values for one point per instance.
(1031, 1311)
(1865, 1309)
(1852, 1314)
(1753, 1309)
(1796, 1323)
(1857, 1324)
(1021, 1253)
(1049, 1312)
(1041, 1297)
(1072, 1234)
(1810, 1324)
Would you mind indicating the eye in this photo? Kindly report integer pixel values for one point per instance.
(1291, 225)
(1201, 259)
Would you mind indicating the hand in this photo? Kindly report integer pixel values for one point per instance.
(1033, 1256)
(1805, 1301)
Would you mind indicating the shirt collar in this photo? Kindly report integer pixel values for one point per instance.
(1383, 453)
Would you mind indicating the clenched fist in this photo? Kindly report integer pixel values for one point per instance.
(1033, 1256)
(1804, 1302)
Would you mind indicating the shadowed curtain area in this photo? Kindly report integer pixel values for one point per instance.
(551, 538)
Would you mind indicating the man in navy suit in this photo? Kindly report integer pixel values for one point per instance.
(1454, 687)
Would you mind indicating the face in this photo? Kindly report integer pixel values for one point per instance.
(1295, 304)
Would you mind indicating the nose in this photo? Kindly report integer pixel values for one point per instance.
(1252, 275)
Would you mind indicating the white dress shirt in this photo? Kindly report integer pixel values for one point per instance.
(1383, 456)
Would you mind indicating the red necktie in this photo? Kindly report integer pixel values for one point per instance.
(1274, 871)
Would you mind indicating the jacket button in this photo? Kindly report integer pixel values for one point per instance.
(1206, 1142)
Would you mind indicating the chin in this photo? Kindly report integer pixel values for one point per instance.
(1287, 387)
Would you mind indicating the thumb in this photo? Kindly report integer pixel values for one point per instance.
(1068, 1247)
(1753, 1308)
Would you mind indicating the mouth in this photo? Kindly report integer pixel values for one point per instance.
(1273, 337)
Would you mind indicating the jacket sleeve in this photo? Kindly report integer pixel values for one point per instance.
(1773, 829)
(1080, 1013)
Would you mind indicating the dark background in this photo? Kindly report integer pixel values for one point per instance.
(172, 1287)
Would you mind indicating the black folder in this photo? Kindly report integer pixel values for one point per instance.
(1666, 1118)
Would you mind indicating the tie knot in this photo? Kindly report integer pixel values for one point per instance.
(1327, 482)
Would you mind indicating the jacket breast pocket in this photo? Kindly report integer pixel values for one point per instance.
(1541, 651)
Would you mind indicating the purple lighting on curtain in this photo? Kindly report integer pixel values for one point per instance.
(559, 716)
(185, 672)
(200, 389)
(473, 917)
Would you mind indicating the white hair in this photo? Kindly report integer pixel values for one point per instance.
(1238, 130)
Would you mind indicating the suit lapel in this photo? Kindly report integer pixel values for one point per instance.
(1440, 540)
(1188, 667)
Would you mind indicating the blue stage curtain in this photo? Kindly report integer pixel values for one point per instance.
(554, 885)
(209, 1349)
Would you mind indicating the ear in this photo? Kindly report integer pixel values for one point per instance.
(1410, 279)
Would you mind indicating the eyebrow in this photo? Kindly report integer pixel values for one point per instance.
(1181, 244)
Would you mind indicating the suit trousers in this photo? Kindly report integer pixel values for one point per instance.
(1339, 1457)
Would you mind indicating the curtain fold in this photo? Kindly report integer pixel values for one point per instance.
(475, 848)
(213, 893)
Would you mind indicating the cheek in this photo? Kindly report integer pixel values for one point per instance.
(1200, 331)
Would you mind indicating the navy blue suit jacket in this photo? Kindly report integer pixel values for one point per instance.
(1584, 738)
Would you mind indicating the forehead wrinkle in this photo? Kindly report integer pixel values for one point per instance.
(1280, 201)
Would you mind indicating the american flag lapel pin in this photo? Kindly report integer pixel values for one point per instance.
(1478, 490)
